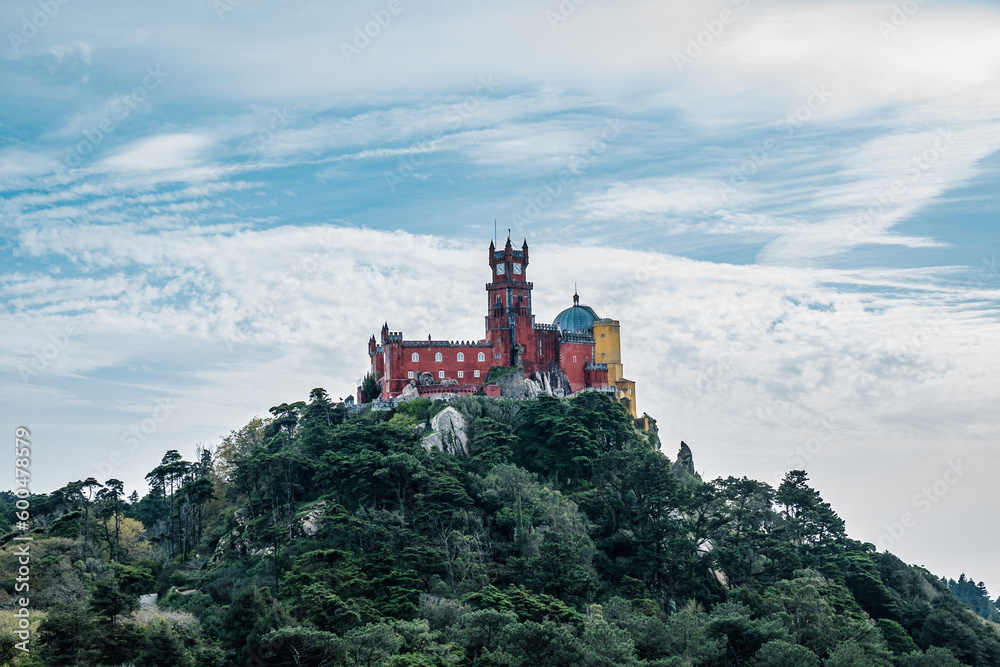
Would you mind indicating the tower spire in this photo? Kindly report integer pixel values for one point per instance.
(576, 296)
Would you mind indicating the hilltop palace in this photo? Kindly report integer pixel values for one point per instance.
(578, 351)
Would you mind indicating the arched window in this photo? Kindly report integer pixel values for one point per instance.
(414, 357)
(482, 356)
(461, 356)
(438, 357)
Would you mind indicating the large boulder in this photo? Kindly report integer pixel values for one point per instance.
(450, 433)
(409, 392)
(425, 379)
(310, 523)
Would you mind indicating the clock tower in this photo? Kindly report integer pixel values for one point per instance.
(509, 324)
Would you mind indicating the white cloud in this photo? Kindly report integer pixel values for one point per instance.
(160, 153)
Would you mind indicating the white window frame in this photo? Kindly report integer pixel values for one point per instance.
(461, 356)
(476, 372)
(415, 356)
(409, 374)
(461, 374)
(441, 375)
(438, 357)
(482, 356)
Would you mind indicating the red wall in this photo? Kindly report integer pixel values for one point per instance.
(400, 363)
(574, 371)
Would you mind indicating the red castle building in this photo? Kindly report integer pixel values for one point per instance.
(578, 351)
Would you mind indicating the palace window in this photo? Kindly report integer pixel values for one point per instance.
(496, 356)
(603, 355)
(461, 356)
(482, 356)
(438, 357)
(461, 374)
(574, 360)
(409, 374)
(441, 374)
(476, 372)
(414, 357)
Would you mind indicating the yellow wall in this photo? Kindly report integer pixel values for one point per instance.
(626, 389)
(608, 350)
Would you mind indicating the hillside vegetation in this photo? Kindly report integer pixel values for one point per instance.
(322, 536)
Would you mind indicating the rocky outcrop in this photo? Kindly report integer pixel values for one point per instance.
(552, 383)
(450, 433)
(685, 460)
(539, 383)
(512, 385)
(558, 381)
(425, 379)
(409, 392)
(310, 523)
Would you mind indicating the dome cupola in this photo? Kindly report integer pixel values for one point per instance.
(578, 319)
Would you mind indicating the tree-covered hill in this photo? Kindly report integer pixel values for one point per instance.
(539, 532)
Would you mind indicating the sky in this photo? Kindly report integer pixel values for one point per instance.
(206, 209)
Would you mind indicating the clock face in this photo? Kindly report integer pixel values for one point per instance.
(501, 269)
(517, 269)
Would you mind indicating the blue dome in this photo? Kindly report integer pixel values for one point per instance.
(578, 319)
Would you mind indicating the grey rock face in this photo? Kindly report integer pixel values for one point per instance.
(450, 433)
(685, 460)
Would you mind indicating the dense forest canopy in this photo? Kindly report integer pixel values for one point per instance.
(555, 533)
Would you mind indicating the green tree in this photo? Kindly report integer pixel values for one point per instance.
(111, 600)
(300, 647)
(778, 653)
(66, 637)
(606, 645)
(744, 634)
(481, 630)
(852, 654)
(369, 387)
(545, 643)
(252, 614)
(112, 494)
(896, 637)
(164, 648)
(934, 657)
(810, 524)
(372, 645)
